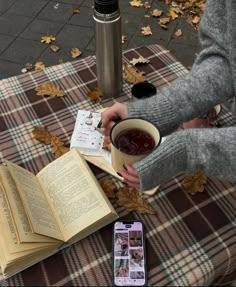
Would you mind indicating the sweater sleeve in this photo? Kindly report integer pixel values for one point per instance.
(209, 83)
(210, 150)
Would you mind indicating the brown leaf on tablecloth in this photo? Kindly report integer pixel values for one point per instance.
(108, 186)
(38, 66)
(58, 147)
(48, 39)
(157, 13)
(131, 199)
(132, 75)
(146, 30)
(41, 134)
(75, 52)
(49, 89)
(139, 60)
(136, 3)
(195, 182)
(95, 95)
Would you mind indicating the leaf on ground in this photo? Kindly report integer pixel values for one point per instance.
(178, 33)
(49, 89)
(48, 39)
(164, 21)
(196, 20)
(108, 186)
(76, 11)
(146, 30)
(136, 3)
(195, 182)
(157, 13)
(38, 66)
(41, 134)
(146, 5)
(54, 48)
(132, 75)
(140, 60)
(29, 66)
(131, 199)
(123, 39)
(172, 14)
(75, 52)
(95, 95)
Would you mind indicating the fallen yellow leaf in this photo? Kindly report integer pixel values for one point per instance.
(48, 39)
(75, 52)
(156, 13)
(95, 95)
(146, 30)
(38, 66)
(123, 39)
(178, 33)
(132, 75)
(194, 182)
(136, 3)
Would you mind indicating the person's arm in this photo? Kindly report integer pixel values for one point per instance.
(210, 150)
(209, 82)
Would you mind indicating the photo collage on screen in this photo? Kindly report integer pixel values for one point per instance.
(129, 257)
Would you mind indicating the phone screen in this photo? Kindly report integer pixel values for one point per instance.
(128, 254)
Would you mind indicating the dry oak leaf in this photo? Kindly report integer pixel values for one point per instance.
(139, 60)
(54, 48)
(29, 66)
(48, 39)
(49, 89)
(194, 182)
(58, 147)
(108, 186)
(172, 14)
(164, 21)
(136, 3)
(38, 66)
(131, 199)
(132, 75)
(95, 95)
(196, 20)
(157, 13)
(178, 33)
(75, 52)
(123, 39)
(41, 134)
(146, 30)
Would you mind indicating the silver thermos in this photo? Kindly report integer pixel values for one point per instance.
(108, 47)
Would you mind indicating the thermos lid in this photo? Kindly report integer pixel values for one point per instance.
(106, 6)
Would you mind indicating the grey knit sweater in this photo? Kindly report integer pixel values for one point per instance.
(211, 81)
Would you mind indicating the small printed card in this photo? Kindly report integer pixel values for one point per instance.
(85, 137)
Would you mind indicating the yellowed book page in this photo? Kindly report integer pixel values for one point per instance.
(17, 212)
(8, 231)
(37, 209)
(76, 197)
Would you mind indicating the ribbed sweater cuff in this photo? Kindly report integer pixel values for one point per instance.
(157, 110)
(165, 162)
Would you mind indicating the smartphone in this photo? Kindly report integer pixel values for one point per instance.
(129, 268)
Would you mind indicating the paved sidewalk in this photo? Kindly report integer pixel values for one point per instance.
(24, 22)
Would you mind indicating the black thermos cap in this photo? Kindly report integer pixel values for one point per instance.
(106, 6)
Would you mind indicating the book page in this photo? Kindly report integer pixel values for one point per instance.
(8, 232)
(17, 212)
(34, 201)
(75, 195)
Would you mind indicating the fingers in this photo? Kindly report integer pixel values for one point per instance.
(115, 112)
(130, 176)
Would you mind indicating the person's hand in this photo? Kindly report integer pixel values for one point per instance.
(130, 176)
(110, 116)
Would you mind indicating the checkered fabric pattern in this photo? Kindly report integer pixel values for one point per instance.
(192, 239)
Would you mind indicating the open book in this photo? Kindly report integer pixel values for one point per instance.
(41, 214)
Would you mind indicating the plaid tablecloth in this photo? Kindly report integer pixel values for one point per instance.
(192, 239)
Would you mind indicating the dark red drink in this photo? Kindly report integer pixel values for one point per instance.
(134, 141)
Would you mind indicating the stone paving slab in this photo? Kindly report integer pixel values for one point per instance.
(24, 22)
